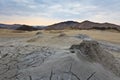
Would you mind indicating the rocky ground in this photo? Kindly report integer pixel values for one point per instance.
(58, 57)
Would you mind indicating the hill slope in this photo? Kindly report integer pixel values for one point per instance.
(7, 26)
(64, 25)
(26, 28)
(83, 25)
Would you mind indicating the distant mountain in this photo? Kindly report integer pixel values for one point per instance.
(100, 26)
(18, 27)
(40, 27)
(83, 25)
(26, 28)
(63, 25)
(6, 26)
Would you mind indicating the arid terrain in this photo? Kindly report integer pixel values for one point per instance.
(59, 55)
(59, 39)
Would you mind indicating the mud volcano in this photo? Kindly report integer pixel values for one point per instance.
(93, 51)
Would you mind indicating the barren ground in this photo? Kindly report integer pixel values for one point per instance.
(45, 55)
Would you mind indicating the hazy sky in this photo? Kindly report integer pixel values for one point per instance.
(44, 12)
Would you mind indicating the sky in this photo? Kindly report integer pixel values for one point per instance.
(46, 12)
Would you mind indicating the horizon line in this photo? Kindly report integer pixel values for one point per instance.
(12, 23)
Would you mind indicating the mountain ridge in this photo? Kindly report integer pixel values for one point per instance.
(85, 25)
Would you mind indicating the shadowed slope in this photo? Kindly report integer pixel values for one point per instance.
(83, 25)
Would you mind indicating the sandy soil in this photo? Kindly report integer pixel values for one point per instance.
(96, 34)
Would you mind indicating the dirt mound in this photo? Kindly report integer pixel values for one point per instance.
(62, 35)
(38, 33)
(94, 52)
(83, 37)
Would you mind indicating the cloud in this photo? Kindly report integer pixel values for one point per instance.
(106, 17)
(25, 20)
(99, 10)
